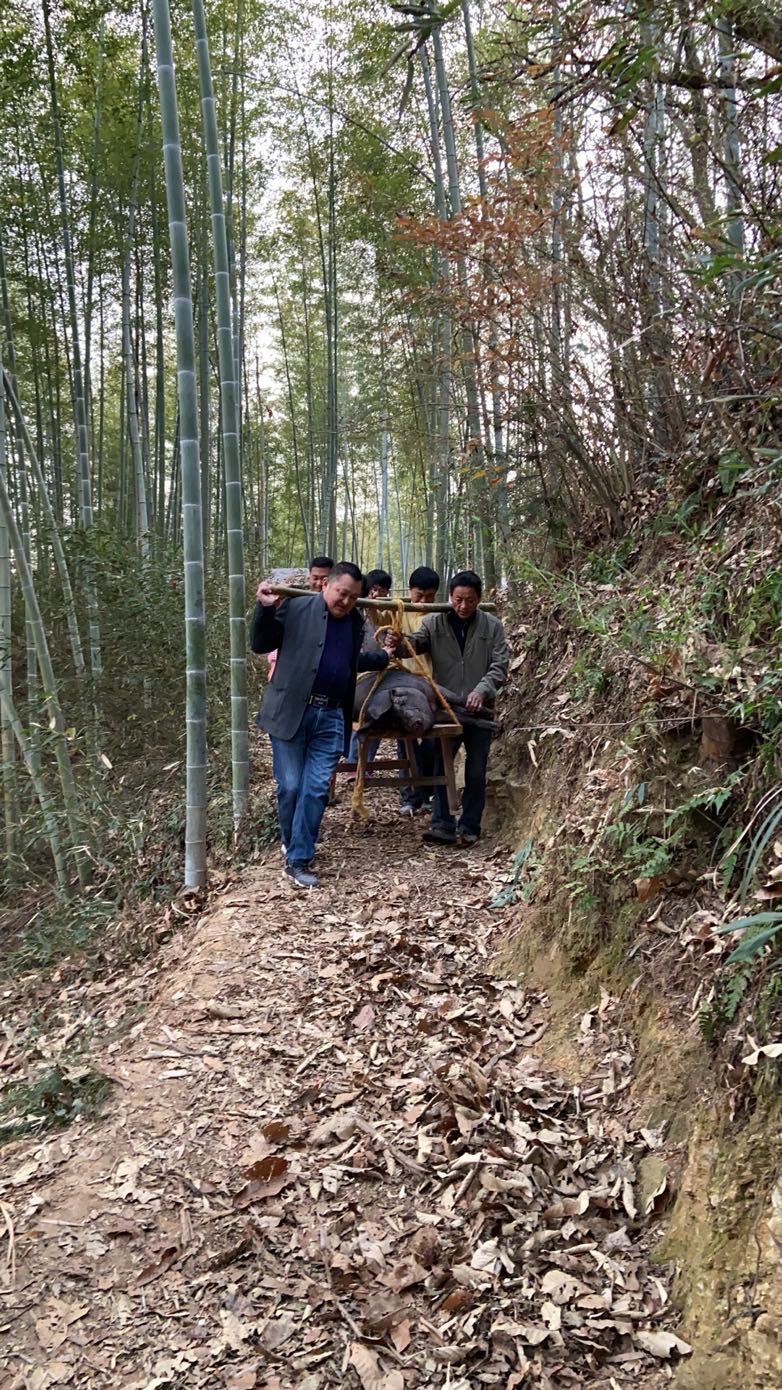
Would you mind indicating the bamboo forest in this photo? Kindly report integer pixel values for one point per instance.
(473, 309)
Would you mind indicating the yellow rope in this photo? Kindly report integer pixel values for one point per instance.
(395, 611)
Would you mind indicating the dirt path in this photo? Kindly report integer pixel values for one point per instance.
(331, 1158)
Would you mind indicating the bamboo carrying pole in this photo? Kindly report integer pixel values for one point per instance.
(383, 603)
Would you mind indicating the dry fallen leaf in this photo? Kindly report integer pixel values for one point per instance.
(367, 1365)
(364, 1018)
(662, 1344)
(400, 1335)
(767, 1050)
(278, 1331)
(235, 1333)
(404, 1275)
(244, 1378)
(158, 1266)
(425, 1246)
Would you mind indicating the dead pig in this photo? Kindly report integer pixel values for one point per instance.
(400, 701)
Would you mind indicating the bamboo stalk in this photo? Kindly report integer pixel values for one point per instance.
(388, 605)
(29, 754)
(132, 385)
(79, 835)
(54, 536)
(230, 400)
(79, 398)
(6, 683)
(190, 463)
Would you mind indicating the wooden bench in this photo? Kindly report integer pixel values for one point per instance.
(406, 768)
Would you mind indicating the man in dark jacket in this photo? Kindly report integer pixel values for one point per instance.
(308, 708)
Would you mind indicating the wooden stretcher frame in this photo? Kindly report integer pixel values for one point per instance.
(444, 733)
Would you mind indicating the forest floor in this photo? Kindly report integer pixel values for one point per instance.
(335, 1152)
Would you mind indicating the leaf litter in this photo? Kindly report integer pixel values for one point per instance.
(335, 1158)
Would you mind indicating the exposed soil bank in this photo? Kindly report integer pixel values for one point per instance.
(609, 943)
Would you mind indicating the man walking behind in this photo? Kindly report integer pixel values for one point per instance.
(469, 656)
(308, 708)
(318, 573)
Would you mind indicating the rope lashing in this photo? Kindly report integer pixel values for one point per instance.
(395, 610)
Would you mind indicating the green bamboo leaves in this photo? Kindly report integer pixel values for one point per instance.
(229, 400)
(195, 631)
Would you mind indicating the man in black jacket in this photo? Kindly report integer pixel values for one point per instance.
(308, 708)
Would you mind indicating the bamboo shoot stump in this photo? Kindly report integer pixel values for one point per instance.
(406, 768)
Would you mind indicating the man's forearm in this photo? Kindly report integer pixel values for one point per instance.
(492, 682)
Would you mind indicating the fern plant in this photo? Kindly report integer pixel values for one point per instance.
(761, 927)
(752, 945)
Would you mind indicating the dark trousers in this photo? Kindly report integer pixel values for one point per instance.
(477, 743)
(425, 752)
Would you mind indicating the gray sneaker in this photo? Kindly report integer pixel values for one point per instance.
(301, 876)
(467, 837)
(435, 836)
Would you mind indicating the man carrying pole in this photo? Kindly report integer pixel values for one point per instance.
(317, 575)
(308, 708)
(470, 657)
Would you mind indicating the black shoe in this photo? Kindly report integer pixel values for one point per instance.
(467, 837)
(301, 876)
(434, 836)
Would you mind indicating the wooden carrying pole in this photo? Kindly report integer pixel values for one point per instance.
(386, 604)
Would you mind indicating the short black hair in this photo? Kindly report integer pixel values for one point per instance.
(321, 562)
(466, 579)
(347, 567)
(380, 577)
(424, 578)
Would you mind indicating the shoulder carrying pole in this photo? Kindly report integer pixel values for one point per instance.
(383, 604)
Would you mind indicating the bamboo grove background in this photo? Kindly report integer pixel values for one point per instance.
(399, 283)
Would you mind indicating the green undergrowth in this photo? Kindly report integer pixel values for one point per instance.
(126, 741)
(650, 691)
(133, 904)
(51, 1101)
(693, 591)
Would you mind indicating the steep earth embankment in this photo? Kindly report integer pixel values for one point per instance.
(641, 738)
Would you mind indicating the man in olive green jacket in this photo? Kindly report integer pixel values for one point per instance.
(469, 656)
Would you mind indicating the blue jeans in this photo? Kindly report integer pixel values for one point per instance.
(303, 766)
(477, 743)
(374, 744)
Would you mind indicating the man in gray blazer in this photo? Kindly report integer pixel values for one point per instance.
(308, 708)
